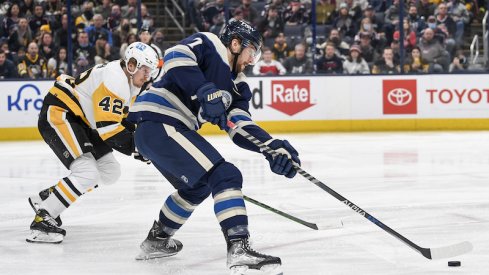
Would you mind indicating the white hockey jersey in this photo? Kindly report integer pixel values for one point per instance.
(100, 96)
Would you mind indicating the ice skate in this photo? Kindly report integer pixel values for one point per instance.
(44, 229)
(242, 257)
(158, 244)
(36, 200)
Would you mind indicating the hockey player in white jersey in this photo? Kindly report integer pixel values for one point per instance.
(82, 119)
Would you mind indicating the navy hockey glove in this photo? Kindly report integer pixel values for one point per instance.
(140, 157)
(213, 109)
(282, 164)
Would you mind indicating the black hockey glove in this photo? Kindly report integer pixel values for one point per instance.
(213, 109)
(140, 157)
(283, 163)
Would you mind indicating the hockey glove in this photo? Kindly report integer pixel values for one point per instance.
(283, 163)
(213, 109)
(140, 157)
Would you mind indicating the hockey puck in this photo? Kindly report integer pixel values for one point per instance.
(454, 263)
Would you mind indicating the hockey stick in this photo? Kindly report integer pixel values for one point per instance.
(429, 253)
(283, 214)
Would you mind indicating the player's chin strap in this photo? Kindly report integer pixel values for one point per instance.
(236, 55)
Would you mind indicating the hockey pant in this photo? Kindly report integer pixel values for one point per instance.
(195, 168)
(81, 150)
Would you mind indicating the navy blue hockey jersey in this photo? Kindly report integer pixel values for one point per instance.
(197, 60)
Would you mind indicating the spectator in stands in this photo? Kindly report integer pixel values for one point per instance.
(46, 46)
(54, 8)
(7, 67)
(272, 24)
(96, 29)
(377, 25)
(26, 8)
(417, 23)
(325, 10)
(58, 64)
(250, 14)
(460, 15)
(355, 9)
(146, 17)
(104, 52)
(33, 65)
(85, 19)
(114, 20)
(146, 38)
(354, 63)
(268, 66)
(61, 34)
(130, 38)
(344, 23)
(387, 64)
(433, 52)
(120, 34)
(11, 19)
(296, 14)
(38, 19)
(415, 63)
(329, 63)
(21, 37)
(8, 53)
(443, 18)
(298, 63)
(129, 11)
(367, 28)
(409, 36)
(368, 51)
(278, 4)
(83, 53)
(280, 48)
(426, 8)
(210, 13)
(459, 63)
(105, 9)
(159, 39)
(342, 48)
(391, 19)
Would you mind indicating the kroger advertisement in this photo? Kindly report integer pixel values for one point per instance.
(314, 98)
(20, 102)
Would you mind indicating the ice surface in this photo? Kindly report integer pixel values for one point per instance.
(433, 188)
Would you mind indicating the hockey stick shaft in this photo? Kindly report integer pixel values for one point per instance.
(283, 214)
(443, 252)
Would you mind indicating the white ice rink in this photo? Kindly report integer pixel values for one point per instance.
(432, 187)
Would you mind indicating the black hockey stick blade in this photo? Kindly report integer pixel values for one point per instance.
(429, 253)
(283, 214)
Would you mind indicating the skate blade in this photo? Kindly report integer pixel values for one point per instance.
(238, 270)
(37, 236)
(272, 269)
(143, 256)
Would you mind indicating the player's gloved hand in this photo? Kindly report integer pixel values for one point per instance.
(213, 109)
(140, 157)
(283, 163)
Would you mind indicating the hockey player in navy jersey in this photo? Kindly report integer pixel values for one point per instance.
(203, 82)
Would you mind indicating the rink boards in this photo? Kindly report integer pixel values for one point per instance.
(315, 104)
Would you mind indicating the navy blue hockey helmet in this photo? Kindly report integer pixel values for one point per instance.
(246, 33)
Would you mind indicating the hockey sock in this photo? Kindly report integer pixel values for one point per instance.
(175, 213)
(231, 213)
(64, 194)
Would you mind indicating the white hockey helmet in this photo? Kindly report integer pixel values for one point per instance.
(144, 55)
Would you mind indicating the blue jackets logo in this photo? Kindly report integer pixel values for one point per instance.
(28, 98)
